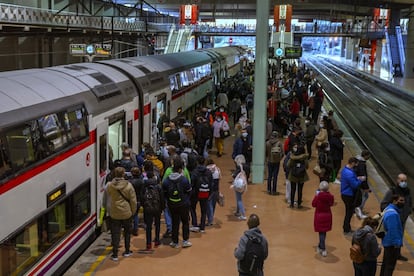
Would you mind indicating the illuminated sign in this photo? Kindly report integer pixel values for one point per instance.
(98, 50)
(293, 52)
(77, 49)
(279, 52)
(179, 110)
(56, 194)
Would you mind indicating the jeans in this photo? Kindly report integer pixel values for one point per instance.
(168, 219)
(389, 260)
(349, 211)
(322, 238)
(293, 191)
(365, 196)
(180, 214)
(367, 268)
(203, 207)
(149, 220)
(211, 206)
(116, 226)
(272, 174)
(136, 219)
(287, 194)
(193, 210)
(239, 204)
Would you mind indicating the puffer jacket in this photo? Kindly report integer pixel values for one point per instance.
(120, 208)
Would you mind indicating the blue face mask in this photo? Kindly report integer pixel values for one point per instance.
(403, 184)
(244, 134)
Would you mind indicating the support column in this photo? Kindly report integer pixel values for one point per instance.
(260, 90)
(409, 49)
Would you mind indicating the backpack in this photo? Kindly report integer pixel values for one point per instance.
(299, 169)
(152, 200)
(203, 186)
(174, 192)
(191, 160)
(253, 257)
(355, 251)
(275, 152)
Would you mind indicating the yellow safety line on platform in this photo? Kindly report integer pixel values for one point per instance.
(98, 261)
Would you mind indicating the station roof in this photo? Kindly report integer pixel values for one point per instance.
(242, 9)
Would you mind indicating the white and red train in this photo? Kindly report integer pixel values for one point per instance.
(57, 125)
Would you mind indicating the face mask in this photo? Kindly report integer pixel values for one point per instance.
(403, 184)
(321, 125)
(221, 110)
(400, 205)
(218, 120)
(307, 122)
(295, 149)
(209, 110)
(244, 134)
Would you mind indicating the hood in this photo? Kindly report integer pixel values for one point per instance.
(360, 233)
(254, 233)
(302, 156)
(201, 169)
(119, 183)
(174, 176)
(360, 158)
(151, 181)
(273, 140)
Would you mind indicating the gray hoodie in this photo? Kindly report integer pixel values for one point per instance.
(241, 248)
(365, 236)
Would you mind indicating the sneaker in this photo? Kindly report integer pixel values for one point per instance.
(156, 244)
(149, 247)
(114, 258)
(402, 258)
(135, 232)
(174, 245)
(202, 231)
(237, 214)
(127, 254)
(187, 244)
(318, 250)
(295, 203)
(324, 253)
(358, 212)
(242, 218)
(167, 235)
(194, 229)
(337, 181)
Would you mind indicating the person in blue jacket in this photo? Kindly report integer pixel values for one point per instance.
(393, 238)
(349, 185)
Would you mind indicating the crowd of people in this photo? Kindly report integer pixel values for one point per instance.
(180, 174)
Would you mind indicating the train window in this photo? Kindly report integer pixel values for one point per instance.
(173, 84)
(23, 249)
(183, 77)
(38, 139)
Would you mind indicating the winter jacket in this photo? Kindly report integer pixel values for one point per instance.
(152, 182)
(200, 170)
(349, 182)
(393, 227)
(292, 162)
(120, 208)
(322, 137)
(269, 144)
(183, 184)
(241, 248)
(337, 148)
(219, 125)
(361, 170)
(323, 216)
(408, 205)
(366, 238)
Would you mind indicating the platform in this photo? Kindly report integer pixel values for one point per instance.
(292, 240)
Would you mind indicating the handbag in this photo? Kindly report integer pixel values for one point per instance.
(224, 133)
(317, 170)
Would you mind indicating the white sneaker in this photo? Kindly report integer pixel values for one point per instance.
(318, 250)
(194, 229)
(337, 181)
(187, 244)
(174, 245)
(358, 212)
(242, 218)
(324, 253)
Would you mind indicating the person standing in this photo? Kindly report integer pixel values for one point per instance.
(366, 239)
(337, 153)
(177, 190)
(253, 235)
(363, 193)
(123, 207)
(322, 202)
(274, 154)
(393, 238)
(349, 184)
(298, 164)
(215, 190)
(400, 188)
(218, 125)
(310, 133)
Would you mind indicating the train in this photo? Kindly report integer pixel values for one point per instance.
(59, 126)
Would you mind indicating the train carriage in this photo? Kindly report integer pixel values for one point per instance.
(59, 129)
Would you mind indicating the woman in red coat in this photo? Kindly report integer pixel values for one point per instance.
(322, 201)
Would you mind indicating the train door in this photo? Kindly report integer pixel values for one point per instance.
(156, 113)
(103, 165)
(116, 135)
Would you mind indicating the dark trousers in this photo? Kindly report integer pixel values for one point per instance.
(193, 210)
(367, 268)
(322, 239)
(203, 207)
(272, 174)
(293, 192)
(180, 214)
(349, 211)
(389, 260)
(149, 220)
(116, 226)
(309, 148)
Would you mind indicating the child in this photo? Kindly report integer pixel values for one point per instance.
(322, 201)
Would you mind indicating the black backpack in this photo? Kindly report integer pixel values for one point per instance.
(254, 256)
(299, 169)
(175, 195)
(191, 160)
(152, 200)
(203, 185)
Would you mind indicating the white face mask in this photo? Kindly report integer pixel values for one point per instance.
(403, 184)
(244, 134)
(221, 110)
(218, 120)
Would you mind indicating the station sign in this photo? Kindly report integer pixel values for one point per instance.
(97, 49)
(77, 49)
(293, 52)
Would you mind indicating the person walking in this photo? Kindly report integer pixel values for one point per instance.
(246, 264)
(322, 202)
(123, 207)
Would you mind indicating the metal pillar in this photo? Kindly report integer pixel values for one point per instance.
(409, 49)
(260, 90)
